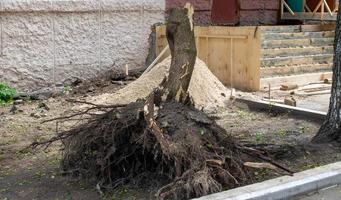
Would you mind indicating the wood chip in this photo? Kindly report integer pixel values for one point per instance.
(286, 87)
(214, 162)
(290, 101)
(260, 165)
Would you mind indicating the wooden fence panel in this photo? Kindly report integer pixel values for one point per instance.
(231, 53)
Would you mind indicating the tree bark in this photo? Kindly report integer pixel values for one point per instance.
(180, 36)
(330, 131)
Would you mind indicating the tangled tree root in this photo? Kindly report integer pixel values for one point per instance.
(174, 145)
(183, 147)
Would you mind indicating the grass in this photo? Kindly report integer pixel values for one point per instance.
(259, 137)
(6, 94)
(304, 129)
(67, 89)
(246, 115)
(281, 133)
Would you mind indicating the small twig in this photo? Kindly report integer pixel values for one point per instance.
(259, 154)
(95, 105)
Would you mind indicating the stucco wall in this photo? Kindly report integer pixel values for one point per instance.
(45, 42)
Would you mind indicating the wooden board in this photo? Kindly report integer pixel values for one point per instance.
(231, 53)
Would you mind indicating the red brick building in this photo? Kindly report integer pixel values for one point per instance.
(232, 12)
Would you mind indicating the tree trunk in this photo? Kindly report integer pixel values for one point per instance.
(180, 36)
(331, 128)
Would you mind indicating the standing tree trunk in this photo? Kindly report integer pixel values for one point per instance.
(181, 40)
(331, 128)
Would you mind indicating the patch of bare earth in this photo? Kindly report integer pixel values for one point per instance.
(28, 175)
(36, 175)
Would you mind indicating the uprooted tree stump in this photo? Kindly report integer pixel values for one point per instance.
(162, 138)
(181, 40)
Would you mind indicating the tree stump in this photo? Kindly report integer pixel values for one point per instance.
(181, 40)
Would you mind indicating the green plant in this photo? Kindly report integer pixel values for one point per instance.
(304, 129)
(202, 132)
(259, 137)
(6, 93)
(66, 89)
(28, 99)
(271, 105)
(282, 133)
(246, 115)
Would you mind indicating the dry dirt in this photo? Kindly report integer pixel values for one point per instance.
(35, 175)
(28, 175)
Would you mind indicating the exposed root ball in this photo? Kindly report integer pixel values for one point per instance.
(183, 149)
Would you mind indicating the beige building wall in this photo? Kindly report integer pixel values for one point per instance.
(46, 42)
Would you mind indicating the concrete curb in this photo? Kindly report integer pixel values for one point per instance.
(285, 187)
(297, 112)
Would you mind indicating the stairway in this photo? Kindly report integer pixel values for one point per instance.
(287, 50)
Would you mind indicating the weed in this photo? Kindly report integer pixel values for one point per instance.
(39, 175)
(28, 99)
(3, 190)
(6, 94)
(210, 146)
(39, 138)
(271, 105)
(202, 132)
(259, 137)
(281, 133)
(304, 129)
(67, 89)
(245, 115)
(309, 166)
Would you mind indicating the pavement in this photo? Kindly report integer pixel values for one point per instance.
(318, 103)
(331, 193)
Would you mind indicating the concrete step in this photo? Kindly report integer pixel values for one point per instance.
(298, 35)
(281, 29)
(287, 43)
(295, 69)
(296, 60)
(302, 51)
(322, 41)
(283, 36)
(324, 34)
(270, 44)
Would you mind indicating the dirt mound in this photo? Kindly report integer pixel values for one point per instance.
(207, 91)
